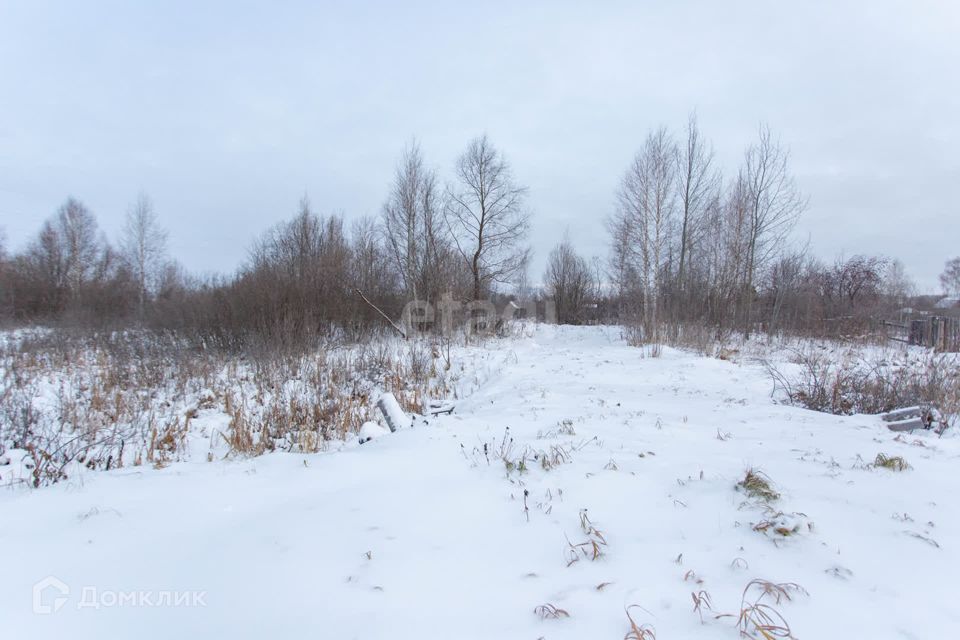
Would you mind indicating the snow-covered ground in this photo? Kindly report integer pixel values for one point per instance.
(463, 525)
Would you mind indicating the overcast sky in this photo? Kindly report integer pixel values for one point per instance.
(225, 113)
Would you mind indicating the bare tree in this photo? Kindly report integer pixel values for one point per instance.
(897, 285)
(784, 280)
(620, 266)
(44, 266)
(370, 268)
(568, 281)
(735, 238)
(849, 292)
(144, 247)
(173, 280)
(719, 258)
(413, 226)
(697, 185)
(76, 233)
(596, 276)
(647, 205)
(859, 278)
(486, 216)
(6, 297)
(774, 203)
(295, 247)
(298, 284)
(65, 268)
(950, 278)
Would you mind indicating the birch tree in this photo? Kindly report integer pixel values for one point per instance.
(697, 184)
(144, 247)
(412, 226)
(647, 206)
(79, 246)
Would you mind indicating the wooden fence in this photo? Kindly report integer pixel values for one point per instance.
(942, 334)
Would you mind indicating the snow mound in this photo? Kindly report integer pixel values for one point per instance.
(371, 430)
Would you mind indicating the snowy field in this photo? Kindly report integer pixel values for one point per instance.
(580, 478)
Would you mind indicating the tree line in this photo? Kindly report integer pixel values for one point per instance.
(302, 282)
(688, 246)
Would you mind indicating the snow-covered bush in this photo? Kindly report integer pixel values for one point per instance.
(857, 382)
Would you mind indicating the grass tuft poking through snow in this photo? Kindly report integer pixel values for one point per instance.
(760, 617)
(592, 548)
(757, 484)
(641, 631)
(701, 602)
(893, 463)
(550, 611)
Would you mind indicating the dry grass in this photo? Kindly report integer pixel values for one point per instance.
(851, 383)
(166, 442)
(691, 575)
(948, 401)
(549, 611)
(766, 526)
(105, 401)
(642, 631)
(96, 401)
(554, 457)
(701, 602)
(592, 548)
(893, 463)
(756, 484)
(782, 525)
(760, 616)
(520, 461)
